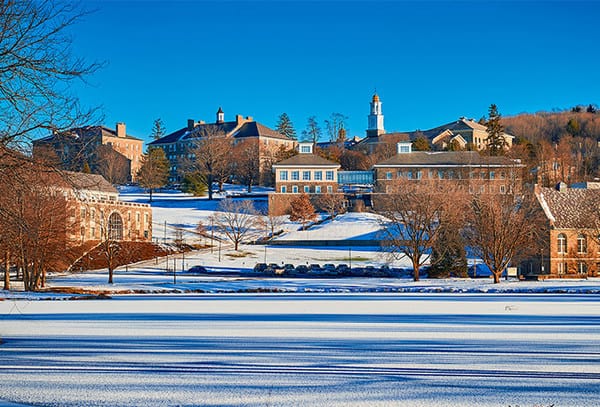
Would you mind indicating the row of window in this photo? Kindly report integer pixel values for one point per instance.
(582, 267)
(92, 213)
(306, 175)
(443, 174)
(317, 189)
(561, 244)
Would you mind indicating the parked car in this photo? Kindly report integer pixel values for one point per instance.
(197, 270)
(289, 268)
(260, 267)
(343, 269)
(302, 269)
(329, 267)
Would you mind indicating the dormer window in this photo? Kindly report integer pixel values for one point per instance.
(306, 148)
(404, 147)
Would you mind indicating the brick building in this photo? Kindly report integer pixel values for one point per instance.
(111, 153)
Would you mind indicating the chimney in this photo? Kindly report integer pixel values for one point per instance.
(191, 124)
(121, 129)
(239, 118)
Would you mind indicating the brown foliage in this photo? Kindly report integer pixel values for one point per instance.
(302, 210)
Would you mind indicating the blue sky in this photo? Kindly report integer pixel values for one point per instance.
(431, 62)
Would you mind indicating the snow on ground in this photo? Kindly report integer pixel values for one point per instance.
(303, 350)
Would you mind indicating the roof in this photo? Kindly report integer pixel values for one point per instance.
(90, 182)
(446, 158)
(571, 208)
(306, 160)
(245, 130)
(86, 131)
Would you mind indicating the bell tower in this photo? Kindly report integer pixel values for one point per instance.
(375, 118)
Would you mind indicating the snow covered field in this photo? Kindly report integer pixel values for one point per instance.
(303, 350)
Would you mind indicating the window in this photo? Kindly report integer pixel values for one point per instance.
(283, 189)
(419, 174)
(146, 218)
(329, 175)
(399, 174)
(440, 174)
(562, 243)
(404, 149)
(562, 268)
(283, 175)
(306, 175)
(295, 189)
(317, 189)
(137, 216)
(581, 267)
(492, 174)
(318, 175)
(581, 244)
(388, 175)
(329, 189)
(82, 213)
(305, 149)
(482, 175)
(306, 189)
(115, 227)
(502, 189)
(409, 174)
(502, 175)
(295, 175)
(431, 173)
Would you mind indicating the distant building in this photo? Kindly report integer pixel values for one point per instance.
(111, 153)
(305, 172)
(462, 132)
(177, 145)
(572, 246)
(476, 172)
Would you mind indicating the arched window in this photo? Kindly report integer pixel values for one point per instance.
(115, 227)
(581, 244)
(562, 243)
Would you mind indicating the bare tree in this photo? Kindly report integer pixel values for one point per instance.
(336, 127)
(238, 220)
(246, 162)
(37, 69)
(211, 156)
(273, 223)
(331, 203)
(111, 235)
(302, 210)
(112, 165)
(415, 214)
(154, 170)
(503, 227)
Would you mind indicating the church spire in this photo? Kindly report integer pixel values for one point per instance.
(220, 116)
(375, 118)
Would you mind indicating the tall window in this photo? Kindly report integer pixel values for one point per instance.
(581, 268)
(306, 175)
(283, 189)
(115, 227)
(329, 175)
(318, 175)
(562, 243)
(388, 175)
(581, 244)
(306, 189)
(283, 175)
(295, 189)
(295, 175)
(317, 189)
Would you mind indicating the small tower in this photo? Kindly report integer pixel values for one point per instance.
(375, 118)
(220, 116)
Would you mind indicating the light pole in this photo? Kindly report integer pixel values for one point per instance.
(265, 254)
(350, 256)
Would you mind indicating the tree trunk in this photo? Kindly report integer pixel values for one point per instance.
(110, 275)
(415, 270)
(209, 183)
(236, 244)
(150, 195)
(7, 271)
(497, 276)
(250, 187)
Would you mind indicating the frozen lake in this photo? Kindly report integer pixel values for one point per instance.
(303, 350)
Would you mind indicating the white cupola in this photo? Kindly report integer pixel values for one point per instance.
(375, 118)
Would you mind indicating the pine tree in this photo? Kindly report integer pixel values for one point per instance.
(495, 142)
(285, 126)
(158, 129)
(421, 144)
(154, 171)
(312, 131)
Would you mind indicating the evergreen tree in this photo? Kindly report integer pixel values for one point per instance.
(573, 127)
(158, 129)
(448, 255)
(285, 126)
(193, 183)
(421, 144)
(312, 131)
(154, 171)
(86, 168)
(495, 142)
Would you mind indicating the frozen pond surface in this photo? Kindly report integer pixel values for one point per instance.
(303, 350)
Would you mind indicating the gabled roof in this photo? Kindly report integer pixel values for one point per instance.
(571, 208)
(89, 182)
(306, 160)
(244, 130)
(446, 158)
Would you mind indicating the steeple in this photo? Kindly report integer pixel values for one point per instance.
(220, 116)
(375, 118)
